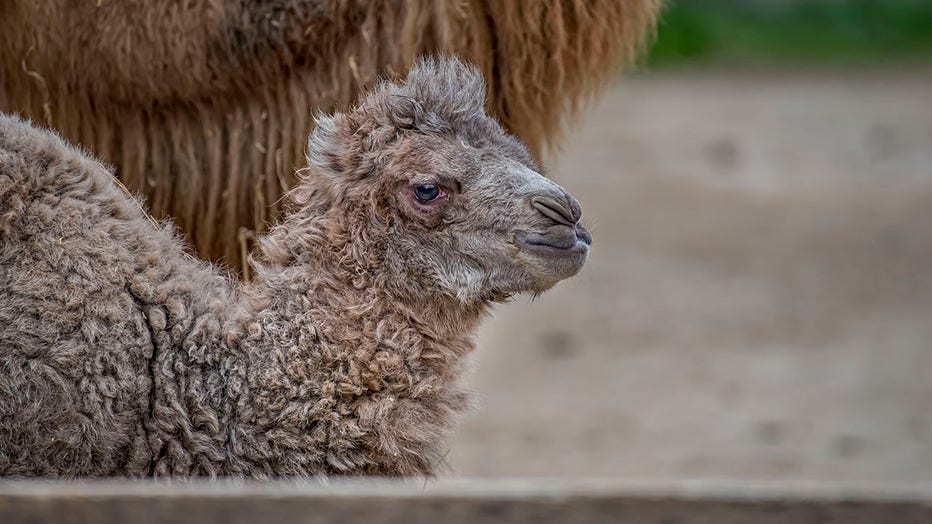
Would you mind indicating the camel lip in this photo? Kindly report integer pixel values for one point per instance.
(579, 248)
(573, 245)
(584, 234)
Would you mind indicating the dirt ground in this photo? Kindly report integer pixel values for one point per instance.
(758, 302)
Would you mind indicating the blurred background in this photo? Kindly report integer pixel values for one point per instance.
(759, 298)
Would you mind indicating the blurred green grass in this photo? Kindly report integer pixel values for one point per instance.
(803, 31)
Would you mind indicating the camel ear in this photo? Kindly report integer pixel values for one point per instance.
(329, 148)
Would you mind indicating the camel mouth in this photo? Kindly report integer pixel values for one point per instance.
(559, 242)
(546, 249)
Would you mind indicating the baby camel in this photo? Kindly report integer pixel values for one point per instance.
(122, 355)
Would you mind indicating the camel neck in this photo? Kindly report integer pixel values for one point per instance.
(343, 274)
(358, 308)
(355, 377)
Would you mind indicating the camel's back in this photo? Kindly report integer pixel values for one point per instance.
(78, 259)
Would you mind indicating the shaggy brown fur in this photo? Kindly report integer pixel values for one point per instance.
(203, 106)
(119, 355)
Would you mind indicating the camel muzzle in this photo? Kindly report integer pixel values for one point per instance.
(564, 239)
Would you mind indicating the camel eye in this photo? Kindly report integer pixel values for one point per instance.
(426, 192)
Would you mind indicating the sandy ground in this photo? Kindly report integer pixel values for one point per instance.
(759, 298)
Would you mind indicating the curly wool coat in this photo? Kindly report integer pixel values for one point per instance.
(120, 354)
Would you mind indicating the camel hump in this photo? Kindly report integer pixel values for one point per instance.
(44, 182)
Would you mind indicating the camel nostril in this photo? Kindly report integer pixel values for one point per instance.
(574, 207)
(565, 212)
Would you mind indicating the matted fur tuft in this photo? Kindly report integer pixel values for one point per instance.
(204, 107)
(449, 87)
